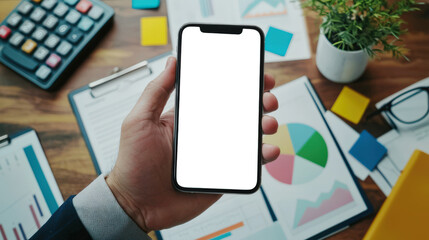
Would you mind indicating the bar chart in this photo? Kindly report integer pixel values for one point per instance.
(26, 200)
(232, 217)
(22, 219)
(226, 225)
(222, 233)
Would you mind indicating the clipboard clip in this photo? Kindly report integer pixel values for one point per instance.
(4, 140)
(104, 81)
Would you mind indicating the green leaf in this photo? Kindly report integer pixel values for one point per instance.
(361, 24)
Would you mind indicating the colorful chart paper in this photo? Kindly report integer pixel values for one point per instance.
(154, 31)
(303, 154)
(234, 216)
(350, 105)
(308, 211)
(28, 192)
(262, 8)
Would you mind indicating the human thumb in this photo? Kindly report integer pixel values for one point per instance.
(153, 99)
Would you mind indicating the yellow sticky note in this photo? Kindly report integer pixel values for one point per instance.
(351, 105)
(153, 31)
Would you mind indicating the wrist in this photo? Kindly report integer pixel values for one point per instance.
(126, 203)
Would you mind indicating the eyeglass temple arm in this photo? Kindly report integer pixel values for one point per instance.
(378, 111)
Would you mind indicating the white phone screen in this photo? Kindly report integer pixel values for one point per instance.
(219, 96)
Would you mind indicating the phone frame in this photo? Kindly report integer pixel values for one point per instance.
(223, 29)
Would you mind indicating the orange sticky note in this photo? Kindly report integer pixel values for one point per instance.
(350, 105)
(154, 31)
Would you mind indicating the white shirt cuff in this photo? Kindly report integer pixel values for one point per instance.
(102, 215)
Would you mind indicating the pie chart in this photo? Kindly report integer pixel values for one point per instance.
(303, 154)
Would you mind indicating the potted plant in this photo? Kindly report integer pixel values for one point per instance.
(353, 31)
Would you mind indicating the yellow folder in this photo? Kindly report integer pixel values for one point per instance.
(405, 213)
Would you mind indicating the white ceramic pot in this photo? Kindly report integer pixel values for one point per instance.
(338, 65)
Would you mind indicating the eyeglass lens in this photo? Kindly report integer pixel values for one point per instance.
(411, 106)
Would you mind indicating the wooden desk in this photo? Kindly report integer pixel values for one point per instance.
(24, 105)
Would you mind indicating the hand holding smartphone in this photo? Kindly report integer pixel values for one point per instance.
(219, 87)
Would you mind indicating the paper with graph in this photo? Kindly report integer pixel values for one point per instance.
(285, 15)
(307, 192)
(309, 186)
(232, 217)
(262, 8)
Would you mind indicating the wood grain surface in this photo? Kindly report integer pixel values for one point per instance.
(22, 104)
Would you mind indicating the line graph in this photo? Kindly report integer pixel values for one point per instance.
(337, 197)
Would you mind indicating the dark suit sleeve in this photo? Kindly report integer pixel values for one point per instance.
(63, 224)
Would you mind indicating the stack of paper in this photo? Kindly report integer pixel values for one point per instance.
(401, 143)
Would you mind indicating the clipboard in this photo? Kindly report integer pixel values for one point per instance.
(310, 208)
(30, 194)
(101, 106)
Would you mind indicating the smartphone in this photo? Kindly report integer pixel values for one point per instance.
(219, 87)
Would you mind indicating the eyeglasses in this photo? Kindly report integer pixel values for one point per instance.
(409, 107)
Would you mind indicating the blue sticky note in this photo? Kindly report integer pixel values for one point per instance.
(277, 41)
(145, 4)
(368, 150)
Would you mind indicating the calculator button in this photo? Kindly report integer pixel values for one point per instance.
(73, 16)
(71, 2)
(50, 22)
(49, 4)
(53, 61)
(96, 12)
(61, 9)
(39, 34)
(38, 14)
(43, 72)
(14, 19)
(75, 36)
(20, 58)
(85, 24)
(25, 7)
(41, 53)
(27, 27)
(16, 39)
(64, 48)
(29, 46)
(52, 41)
(63, 29)
(5, 32)
(83, 6)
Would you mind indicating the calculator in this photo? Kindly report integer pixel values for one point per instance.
(42, 40)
